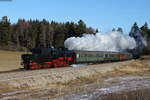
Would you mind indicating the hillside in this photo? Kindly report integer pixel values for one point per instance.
(10, 60)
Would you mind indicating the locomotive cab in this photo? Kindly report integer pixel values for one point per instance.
(26, 60)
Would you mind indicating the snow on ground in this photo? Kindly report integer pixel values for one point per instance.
(78, 65)
(119, 84)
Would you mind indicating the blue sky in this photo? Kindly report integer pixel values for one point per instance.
(101, 14)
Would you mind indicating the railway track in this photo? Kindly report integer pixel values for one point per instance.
(11, 71)
(24, 70)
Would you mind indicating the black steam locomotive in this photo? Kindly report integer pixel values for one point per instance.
(53, 58)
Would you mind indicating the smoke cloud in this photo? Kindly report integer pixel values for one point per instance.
(113, 41)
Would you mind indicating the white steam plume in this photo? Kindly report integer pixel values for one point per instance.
(113, 41)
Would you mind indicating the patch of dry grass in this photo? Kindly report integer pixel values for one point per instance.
(10, 60)
(136, 68)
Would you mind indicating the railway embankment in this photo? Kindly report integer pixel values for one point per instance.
(45, 77)
(56, 82)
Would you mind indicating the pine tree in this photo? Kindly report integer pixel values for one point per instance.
(146, 30)
(113, 30)
(134, 29)
(59, 36)
(120, 30)
(70, 29)
(5, 31)
(146, 34)
(81, 28)
(97, 31)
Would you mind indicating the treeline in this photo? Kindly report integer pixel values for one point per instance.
(139, 31)
(34, 33)
(27, 34)
(144, 31)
